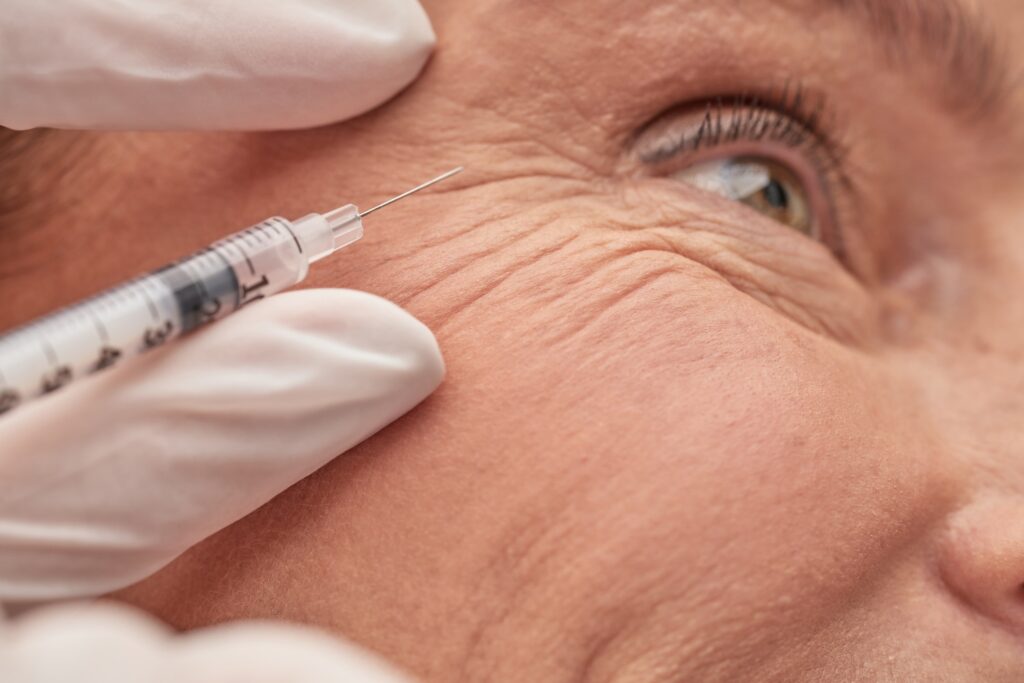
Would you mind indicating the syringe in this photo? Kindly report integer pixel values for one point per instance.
(153, 309)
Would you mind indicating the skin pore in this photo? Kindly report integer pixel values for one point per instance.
(678, 440)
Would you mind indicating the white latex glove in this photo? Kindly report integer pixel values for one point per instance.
(112, 477)
(204, 64)
(107, 480)
(109, 644)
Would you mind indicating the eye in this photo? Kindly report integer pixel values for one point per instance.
(765, 185)
(775, 156)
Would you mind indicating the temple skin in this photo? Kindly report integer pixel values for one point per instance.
(677, 440)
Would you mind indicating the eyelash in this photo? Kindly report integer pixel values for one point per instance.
(789, 116)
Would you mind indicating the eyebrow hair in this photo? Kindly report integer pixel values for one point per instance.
(962, 47)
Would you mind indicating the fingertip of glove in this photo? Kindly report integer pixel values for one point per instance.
(360, 320)
(277, 651)
(81, 625)
(375, 47)
(388, 328)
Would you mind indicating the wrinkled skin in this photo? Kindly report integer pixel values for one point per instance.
(677, 441)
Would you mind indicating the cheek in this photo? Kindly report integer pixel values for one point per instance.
(684, 443)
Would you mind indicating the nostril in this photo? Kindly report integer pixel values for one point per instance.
(981, 558)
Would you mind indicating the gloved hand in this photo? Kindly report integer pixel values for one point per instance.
(109, 479)
(112, 477)
(211, 65)
(108, 644)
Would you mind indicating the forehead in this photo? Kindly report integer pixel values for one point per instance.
(615, 58)
(631, 56)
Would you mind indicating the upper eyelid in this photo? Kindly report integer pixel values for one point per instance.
(678, 132)
(718, 127)
(776, 112)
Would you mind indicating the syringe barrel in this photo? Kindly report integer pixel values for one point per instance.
(153, 309)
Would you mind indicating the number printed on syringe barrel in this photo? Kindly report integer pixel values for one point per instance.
(149, 311)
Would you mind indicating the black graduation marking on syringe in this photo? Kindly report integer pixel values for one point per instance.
(108, 354)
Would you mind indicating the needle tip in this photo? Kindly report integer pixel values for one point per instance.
(443, 176)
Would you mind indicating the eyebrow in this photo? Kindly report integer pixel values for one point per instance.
(973, 69)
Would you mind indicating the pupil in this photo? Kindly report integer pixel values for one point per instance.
(775, 194)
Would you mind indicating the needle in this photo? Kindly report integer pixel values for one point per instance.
(414, 190)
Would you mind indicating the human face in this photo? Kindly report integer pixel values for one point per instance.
(679, 440)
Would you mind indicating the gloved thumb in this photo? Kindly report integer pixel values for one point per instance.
(109, 479)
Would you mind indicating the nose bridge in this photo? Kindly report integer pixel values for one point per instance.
(993, 333)
(997, 297)
(976, 397)
(980, 283)
(979, 343)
